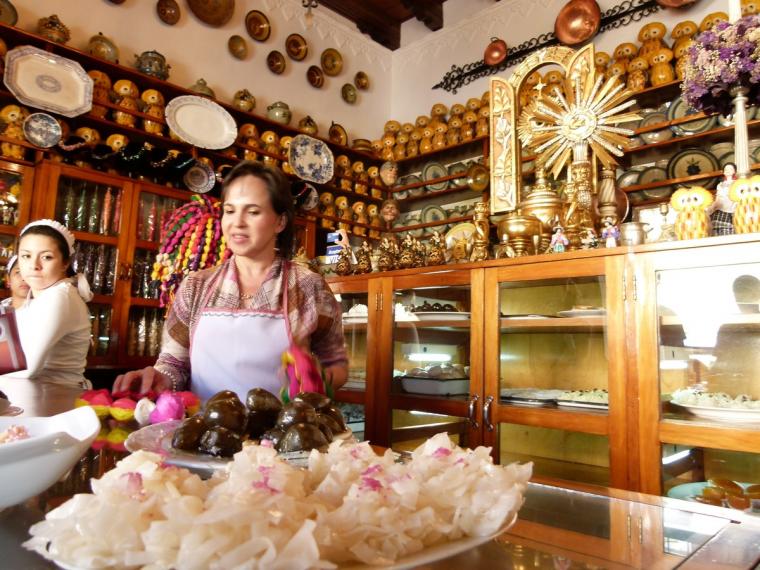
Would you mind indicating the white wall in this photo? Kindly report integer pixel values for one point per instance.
(195, 50)
(424, 58)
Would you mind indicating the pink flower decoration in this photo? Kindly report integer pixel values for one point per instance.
(169, 406)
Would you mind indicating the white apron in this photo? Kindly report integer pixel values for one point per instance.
(239, 349)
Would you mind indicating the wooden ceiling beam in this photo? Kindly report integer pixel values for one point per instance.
(377, 25)
(429, 12)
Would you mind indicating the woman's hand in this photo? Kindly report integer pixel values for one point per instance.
(146, 379)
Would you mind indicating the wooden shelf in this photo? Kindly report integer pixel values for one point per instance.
(581, 420)
(95, 238)
(554, 325)
(142, 302)
(449, 405)
(738, 322)
(442, 324)
(678, 181)
(447, 221)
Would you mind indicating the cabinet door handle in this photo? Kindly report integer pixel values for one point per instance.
(472, 411)
(378, 301)
(487, 413)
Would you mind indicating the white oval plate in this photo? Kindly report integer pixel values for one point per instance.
(201, 122)
(732, 415)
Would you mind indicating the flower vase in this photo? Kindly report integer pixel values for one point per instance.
(741, 143)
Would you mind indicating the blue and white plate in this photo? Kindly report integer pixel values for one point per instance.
(311, 159)
(200, 178)
(42, 130)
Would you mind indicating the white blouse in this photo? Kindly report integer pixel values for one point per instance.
(54, 329)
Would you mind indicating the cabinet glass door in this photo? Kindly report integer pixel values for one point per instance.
(432, 351)
(552, 390)
(708, 323)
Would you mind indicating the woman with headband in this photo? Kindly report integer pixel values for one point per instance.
(18, 287)
(54, 325)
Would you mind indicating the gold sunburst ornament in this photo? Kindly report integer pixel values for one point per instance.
(558, 126)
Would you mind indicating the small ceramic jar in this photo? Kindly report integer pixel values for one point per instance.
(243, 100)
(279, 112)
(201, 88)
(152, 63)
(102, 47)
(53, 29)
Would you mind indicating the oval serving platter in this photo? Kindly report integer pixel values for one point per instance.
(201, 122)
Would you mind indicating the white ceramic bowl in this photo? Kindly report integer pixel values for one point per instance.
(30, 466)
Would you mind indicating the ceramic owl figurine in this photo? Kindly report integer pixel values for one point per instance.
(746, 193)
(662, 71)
(681, 53)
(601, 61)
(651, 38)
(692, 221)
(711, 19)
(685, 29)
(637, 74)
(750, 7)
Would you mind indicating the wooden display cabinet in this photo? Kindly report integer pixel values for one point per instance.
(116, 222)
(698, 323)
(16, 185)
(524, 334)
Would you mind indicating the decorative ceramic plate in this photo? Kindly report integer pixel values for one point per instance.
(331, 61)
(200, 178)
(311, 159)
(215, 13)
(168, 11)
(316, 78)
(8, 14)
(728, 120)
(679, 109)
(201, 122)
(432, 171)
(257, 25)
(157, 438)
(361, 80)
(651, 137)
(413, 179)
(337, 133)
(47, 81)
(582, 313)
(432, 214)
(478, 177)
(756, 155)
(442, 315)
(591, 405)
(731, 415)
(42, 130)
(276, 62)
(458, 168)
(629, 178)
(530, 396)
(464, 230)
(726, 158)
(651, 175)
(693, 161)
(636, 198)
(296, 46)
(348, 93)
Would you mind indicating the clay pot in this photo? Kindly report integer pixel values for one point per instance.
(243, 100)
(152, 63)
(168, 11)
(496, 52)
(101, 46)
(202, 88)
(279, 112)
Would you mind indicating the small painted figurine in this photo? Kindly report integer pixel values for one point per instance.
(388, 252)
(343, 266)
(746, 194)
(610, 233)
(363, 259)
(691, 204)
(589, 239)
(559, 240)
(721, 211)
(437, 253)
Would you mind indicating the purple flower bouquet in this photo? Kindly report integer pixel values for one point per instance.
(722, 58)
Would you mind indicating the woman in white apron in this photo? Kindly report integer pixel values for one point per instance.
(228, 326)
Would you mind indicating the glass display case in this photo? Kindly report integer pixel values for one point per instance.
(551, 394)
(431, 386)
(355, 325)
(699, 377)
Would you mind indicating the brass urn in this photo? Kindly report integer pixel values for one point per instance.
(544, 204)
(522, 232)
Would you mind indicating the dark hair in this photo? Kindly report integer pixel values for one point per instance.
(279, 195)
(59, 240)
